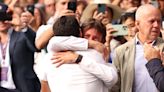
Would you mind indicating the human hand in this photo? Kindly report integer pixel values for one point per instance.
(96, 45)
(12, 4)
(151, 52)
(99, 47)
(98, 16)
(67, 57)
(26, 18)
(67, 12)
(109, 31)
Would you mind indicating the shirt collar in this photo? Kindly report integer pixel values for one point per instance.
(138, 42)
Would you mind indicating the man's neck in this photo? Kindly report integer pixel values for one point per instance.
(144, 40)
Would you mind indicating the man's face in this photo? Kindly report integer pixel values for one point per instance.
(50, 7)
(149, 25)
(4, 26)
(61, 5)
(107, 17)
(93, 34)
(132, 30)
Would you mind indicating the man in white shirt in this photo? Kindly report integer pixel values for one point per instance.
(91, 74)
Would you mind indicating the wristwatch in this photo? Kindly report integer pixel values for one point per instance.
(79, 58)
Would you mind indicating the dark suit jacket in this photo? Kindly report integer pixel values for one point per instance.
(21, 49)
(156, 71)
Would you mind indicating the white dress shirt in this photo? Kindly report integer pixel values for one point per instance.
(92, 74)
(143, 82)
(9, 84)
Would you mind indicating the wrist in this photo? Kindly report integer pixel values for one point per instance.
(79, 58)
(107, 44)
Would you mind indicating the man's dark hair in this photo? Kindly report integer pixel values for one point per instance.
(127, 15)
(66, 26)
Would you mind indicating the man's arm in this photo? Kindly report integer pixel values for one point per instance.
(104, 71)
(154, 65)
(58, 43)
(30, 38)
(63, 43)
(45, 86)
(43, 38)
(156, 71)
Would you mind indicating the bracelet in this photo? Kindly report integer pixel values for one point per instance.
(79, 58)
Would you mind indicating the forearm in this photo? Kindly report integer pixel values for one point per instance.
(96, 45)
(43, 39)
(44, 86)
(67, 43)
(156, 71)
(107, 45)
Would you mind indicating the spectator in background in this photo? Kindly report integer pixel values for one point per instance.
(17, 56)
(18, 10)
(36, 14)
(93, 29)
(39, 15)
(129, 57)
(161, 7)
(42, 35)
(112, 13)
(49, 8)
(154, 65)
(128, 19)
(146, 1)
(17, 15)
(81, 5)
(128, 4)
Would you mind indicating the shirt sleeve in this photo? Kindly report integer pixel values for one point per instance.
(41, 29)
(156, 71)
(67, 43)
(104, 71)
(41, 69)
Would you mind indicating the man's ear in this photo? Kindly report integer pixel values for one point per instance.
(137, 23)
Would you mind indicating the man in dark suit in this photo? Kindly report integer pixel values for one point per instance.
(16, 57)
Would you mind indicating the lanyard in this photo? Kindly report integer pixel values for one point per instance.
(3, 51)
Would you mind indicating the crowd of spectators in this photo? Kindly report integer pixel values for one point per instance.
(115, 45)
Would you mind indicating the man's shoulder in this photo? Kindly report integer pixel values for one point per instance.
(92, 54)
(89, 51)
(125, 46)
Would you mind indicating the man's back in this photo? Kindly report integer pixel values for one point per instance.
(72, 77)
